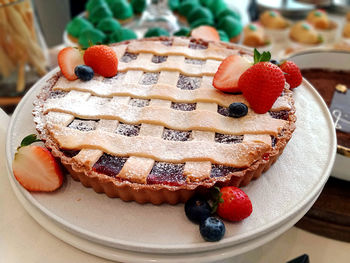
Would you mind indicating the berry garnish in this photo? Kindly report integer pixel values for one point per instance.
(262, 83)
(236, 204)
(208, 33)
(197, 209)
(292, 73)
(35, 168)
(212, 229)
(84, 73)
(102, 59)
(227, 76)
(68, 58)
(237, 110)
(274, 61)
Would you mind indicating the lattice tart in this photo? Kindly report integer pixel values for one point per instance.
(158, 131)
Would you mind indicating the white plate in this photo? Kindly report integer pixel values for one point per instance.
(278, 196)
(134, 257)
(336, 60)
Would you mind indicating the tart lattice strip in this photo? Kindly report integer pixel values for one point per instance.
(137, 169)
(161, 91)
(89, 157)
(214, 51)
(199, 171)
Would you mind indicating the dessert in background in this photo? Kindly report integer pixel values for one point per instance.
(346, 31)
(275, 25)
(323, 25)
(304, 33)
(254, 36)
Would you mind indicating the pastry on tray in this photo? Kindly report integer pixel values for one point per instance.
(158, 131)
(254, 36)
(275, 25)
(323, 24)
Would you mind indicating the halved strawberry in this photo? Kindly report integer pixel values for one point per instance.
(102, 59)
(35, 168)
(68, 58)
(208, 33)
(227, 76)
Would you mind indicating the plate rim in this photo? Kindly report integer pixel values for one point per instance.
(135, 246)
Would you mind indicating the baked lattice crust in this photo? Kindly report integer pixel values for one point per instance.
(158, 130)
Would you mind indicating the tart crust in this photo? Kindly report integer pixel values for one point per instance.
(158, 193)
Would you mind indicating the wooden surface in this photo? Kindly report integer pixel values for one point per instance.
(330, 215)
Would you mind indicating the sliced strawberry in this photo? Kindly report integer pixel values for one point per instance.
(35, 168)
(227, 76)
(102, 59)
(208, 33)
(68, 58)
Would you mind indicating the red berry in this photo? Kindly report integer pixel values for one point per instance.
(292, 74)
(208, 33)
(236, 205)
(261, 85)
(228, 73)
(36, 169)
(68, 58)
(102, 59)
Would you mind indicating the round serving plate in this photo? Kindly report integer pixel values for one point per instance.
(336, 60)
(282, 194)
(219, 255)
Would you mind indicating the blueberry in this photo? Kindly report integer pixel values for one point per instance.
(84, 72)
(237, 110)
(197, 209)
(274, 61)
(212, 229)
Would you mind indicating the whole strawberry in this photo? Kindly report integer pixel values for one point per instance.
(235, 204)
(262, 83)
(292, 73)
(102, 59)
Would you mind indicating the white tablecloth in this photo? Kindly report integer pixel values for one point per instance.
(22, 239)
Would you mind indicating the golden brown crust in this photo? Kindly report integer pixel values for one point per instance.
(155, 194)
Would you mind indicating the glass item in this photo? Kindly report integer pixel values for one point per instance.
(23, 52)
(156, 15)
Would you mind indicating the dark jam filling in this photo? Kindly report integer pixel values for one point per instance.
(225, 138)
(109, 165)
(70, 153)
(218, 170)
(223, 111)
(56, 94)
(194, 45)
(283, 114)
(167, 173)
(195, 61)
(139, 102)
(83, 125)
(183, 106)
(159, 59)
(273, 141)
(128, 129)
(174, 135)
(127, 57)
(188, 83)
(149, 78)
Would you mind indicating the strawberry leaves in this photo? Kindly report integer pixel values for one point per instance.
(264, 57)
(216, 198)
(28, 140)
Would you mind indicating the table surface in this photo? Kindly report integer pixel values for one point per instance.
(19, 231)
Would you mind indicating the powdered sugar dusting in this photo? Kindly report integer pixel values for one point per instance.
(159, 59)
(183, 106)
(173, 135)
(128, 129)
(218, 170)
(225, 138)
(83, 125)
(139, 102)
(188, 83)
(195, 61)
(167, 173)
(127, 57)
(149, 78)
